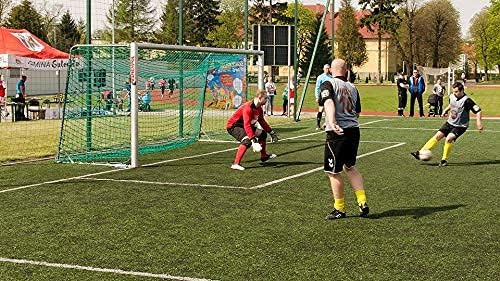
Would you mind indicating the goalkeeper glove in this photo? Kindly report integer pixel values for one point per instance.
(274, 136)
(256, 147)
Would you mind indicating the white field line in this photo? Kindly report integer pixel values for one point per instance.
(147, 165)
(61, 180)
(106, 270)
(321, 168)
(298, 137)
(423, 129)
(366, 141)
(169, 183)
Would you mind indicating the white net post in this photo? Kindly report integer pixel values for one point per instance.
(449, 81)
(134, 107)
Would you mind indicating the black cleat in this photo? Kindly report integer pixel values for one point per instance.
(415, 154)
(443, 163)
(364, 210)
(335, 214)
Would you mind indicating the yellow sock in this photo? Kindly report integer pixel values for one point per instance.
(339, 204)
(430, 144)
(447, 149)
(360, 196)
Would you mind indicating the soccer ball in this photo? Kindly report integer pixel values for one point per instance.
(425, 155)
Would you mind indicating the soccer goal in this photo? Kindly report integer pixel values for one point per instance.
(431, 75)
(124, 101)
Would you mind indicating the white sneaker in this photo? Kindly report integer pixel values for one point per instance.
(237, 167)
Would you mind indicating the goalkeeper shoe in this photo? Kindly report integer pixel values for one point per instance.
(443, 163)
(237, 167)
(416, 154)
(364, 210)
(335, 215)
(268, 157)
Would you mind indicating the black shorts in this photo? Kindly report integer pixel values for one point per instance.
(239, 133)
(448, 128)
(341, 150)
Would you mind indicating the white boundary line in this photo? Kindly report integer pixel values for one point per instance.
(423, 129)
(106, 270)
(321, 168)
(61, 180)
(152, 164)
(397, 144)
(169, 183)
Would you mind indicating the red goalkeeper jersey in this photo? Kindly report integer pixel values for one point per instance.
(247, 116)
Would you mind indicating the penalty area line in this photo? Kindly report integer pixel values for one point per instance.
(321, 168)
(98, 269)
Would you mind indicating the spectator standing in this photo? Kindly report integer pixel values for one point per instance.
(271, 92)
(162, 83)
(3, 93)
(417, 89)
(285, 101)
(402, 84)
(21, 89)
(20, 98)
(171, 87)
(325, 76)
(438, 90)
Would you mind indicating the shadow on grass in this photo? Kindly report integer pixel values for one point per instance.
(470, 163)
(280, 130)
(477, 163)
(320, 144)
(416, 212)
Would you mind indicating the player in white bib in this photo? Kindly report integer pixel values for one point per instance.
(457, 123)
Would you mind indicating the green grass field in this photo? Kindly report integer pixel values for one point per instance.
(384, 98)
(184, 215)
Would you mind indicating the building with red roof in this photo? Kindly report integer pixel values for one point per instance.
(390, 58)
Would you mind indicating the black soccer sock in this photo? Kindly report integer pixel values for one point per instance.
(318, 119)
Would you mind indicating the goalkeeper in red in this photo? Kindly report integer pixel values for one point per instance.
(243, 126)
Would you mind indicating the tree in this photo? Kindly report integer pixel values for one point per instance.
(468, 49)
(481, 38)
(323, 52)
(25, 16)
(351, 46)
(5, 6)
(200, 18)
(259, 13)
(494, 22)
(169, 29)
(404, 37)
(439, 32)
(228, 34)
(382, 18)
(306, 24)
(133, 21)
(50, 13)
(67, 33)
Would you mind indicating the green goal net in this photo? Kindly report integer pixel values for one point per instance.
(124, 101)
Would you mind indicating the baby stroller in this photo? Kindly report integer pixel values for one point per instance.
(432, 100)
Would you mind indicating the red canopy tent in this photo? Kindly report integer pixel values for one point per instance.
(21, 49)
